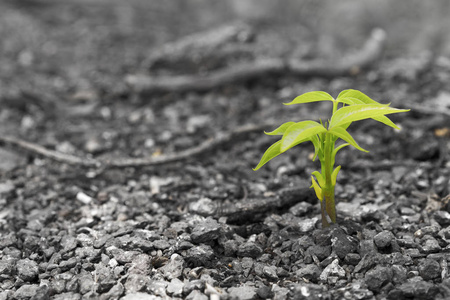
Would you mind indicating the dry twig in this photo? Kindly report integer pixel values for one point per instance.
(350, 64)
(210, 144)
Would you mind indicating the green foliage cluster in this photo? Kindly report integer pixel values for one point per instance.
(350, 106)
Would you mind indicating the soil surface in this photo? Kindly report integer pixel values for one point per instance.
(207, 226)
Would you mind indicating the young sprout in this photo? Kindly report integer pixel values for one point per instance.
(348, 107)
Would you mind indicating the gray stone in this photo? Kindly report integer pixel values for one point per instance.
(367, 247)
(8, 240)
(196, 295)
(333, 269)
(174, 267)
(142, 263)
(42, 293)
(175, 287)
(158, 287)
(444, 233)
(307, 225)
(414, 290)
(185, 245)
(230, 247)
(270, 272)
(247, 265)
(122, 257)
(204, 206)
(303, 242)
(6, 268)
(114, 293)
(352, 259)
(424, 150)
(258, 268)
(10, 160)
(202, 255)
(396, 258)
(137, 283)
(442, 217)
(264, 292)
(68, 264)
(431, 245)
(343, 244)
(67, 296)
(206, 231)
(27, 269)
(427, 230)
(429, 269)
(88, 253)
(367, 262)
(309, 291)
(355, 290)
(407, 211)
(85, 240)
(301, 209)
(249, 249)
(192, 285)
(349, 209)
(242, 292)
(321, 252)
(399, 274)
(26, 291)
(281, 272)
(7, 187)
(140, 296)
(377, 277)
(143, 244)
(86, 283)
(105, 278)
(161, 244)
(310, 272)
(279, 292)
(72, 284)
(68, 243)
(58, 285)
(383, 239)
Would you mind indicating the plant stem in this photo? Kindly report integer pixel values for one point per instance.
(324, 215)
(328, 189)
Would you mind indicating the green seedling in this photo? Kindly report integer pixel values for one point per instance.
(348, 107)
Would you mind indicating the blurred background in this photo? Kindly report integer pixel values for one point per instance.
(89, 38)
(64, 64)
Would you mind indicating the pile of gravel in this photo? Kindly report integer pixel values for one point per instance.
(131, 243)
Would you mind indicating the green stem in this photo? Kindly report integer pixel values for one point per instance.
(327, 205)
(328, 189)
(324, 215)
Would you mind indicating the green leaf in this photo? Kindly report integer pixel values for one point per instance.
(316, 142)
(271, 152)
(300, 132)
(359, 112)
(339, 148)
(386, 121)
(343, 134)
(349, 101)
(317, 189)
(383, 119)
(275, 150)
(311, 97)
(319, 177)
(334, 175)
(356, 95)
(280, 130)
